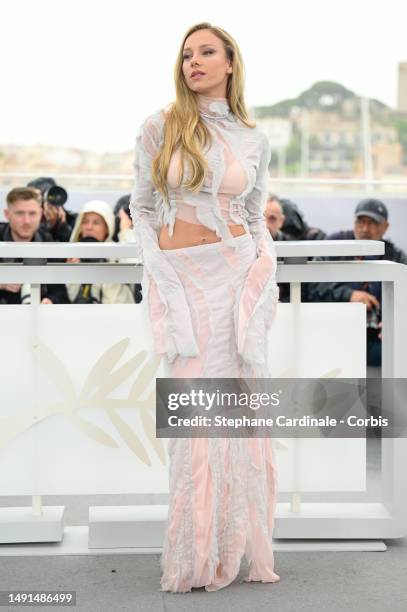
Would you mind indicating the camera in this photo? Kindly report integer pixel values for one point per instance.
(51, 192)
(372, 324)
(90, 260)
(85, 295)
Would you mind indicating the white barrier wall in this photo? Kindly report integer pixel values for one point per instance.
(77, 407)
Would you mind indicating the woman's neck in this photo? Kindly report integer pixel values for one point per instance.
(214, 107)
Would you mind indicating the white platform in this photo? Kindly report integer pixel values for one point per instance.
(75, 542)
(144, 525)
(127, 526)
(21, 525)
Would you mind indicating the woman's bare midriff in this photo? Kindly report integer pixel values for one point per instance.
(191, 234)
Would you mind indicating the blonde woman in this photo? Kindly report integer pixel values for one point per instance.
(209, 268)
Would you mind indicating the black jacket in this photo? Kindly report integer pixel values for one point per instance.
(56, 293)
(281, 236)
(341, 292)
(295, 227)
(61, 232)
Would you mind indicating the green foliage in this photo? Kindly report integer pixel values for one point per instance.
(400, 123)
(294, 148)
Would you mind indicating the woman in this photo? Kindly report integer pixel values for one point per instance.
(209, 264)
(96, 223)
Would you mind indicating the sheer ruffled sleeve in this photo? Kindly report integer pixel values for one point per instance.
(170, 315)
(257, 304)
(255, 204)
(143, 196)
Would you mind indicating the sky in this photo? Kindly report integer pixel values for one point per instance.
(85, 73)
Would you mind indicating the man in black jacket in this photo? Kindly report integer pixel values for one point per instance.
(285, 221)
(295, 226)
(23, 214)
(274, 217)
(370, 223)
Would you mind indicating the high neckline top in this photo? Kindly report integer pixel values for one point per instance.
(234, 188)
(233, 191)
(213, 108)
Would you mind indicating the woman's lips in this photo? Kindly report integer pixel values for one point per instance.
(198, 75)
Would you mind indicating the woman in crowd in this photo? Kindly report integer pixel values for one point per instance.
(95, 223)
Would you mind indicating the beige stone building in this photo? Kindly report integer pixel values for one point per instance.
(402, 87)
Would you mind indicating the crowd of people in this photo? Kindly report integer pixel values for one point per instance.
(370, 222)
(36, 213)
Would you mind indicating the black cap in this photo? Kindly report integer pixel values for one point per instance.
(43, 183)
(375, 209)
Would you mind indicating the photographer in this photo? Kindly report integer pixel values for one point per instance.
(370, 223)
(124, 233)
(23, 213)
(56, 220)
(285, 221)
(96, 223)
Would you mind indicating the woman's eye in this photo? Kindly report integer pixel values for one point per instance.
(210, 51)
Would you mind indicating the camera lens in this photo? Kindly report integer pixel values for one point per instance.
(57, 196)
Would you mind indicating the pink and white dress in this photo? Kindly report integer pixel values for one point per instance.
(210, 308)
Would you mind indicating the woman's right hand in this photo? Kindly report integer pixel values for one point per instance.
(365, 298)
(125, 220)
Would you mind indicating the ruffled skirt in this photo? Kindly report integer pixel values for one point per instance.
(222, 491)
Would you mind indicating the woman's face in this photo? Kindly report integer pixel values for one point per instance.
(94, 226)
(205, 67)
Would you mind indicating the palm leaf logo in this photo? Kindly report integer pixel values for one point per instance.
(103, 378)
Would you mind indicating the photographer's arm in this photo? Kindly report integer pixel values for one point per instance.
(59, 222)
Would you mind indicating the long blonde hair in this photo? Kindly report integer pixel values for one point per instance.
(184, 128)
